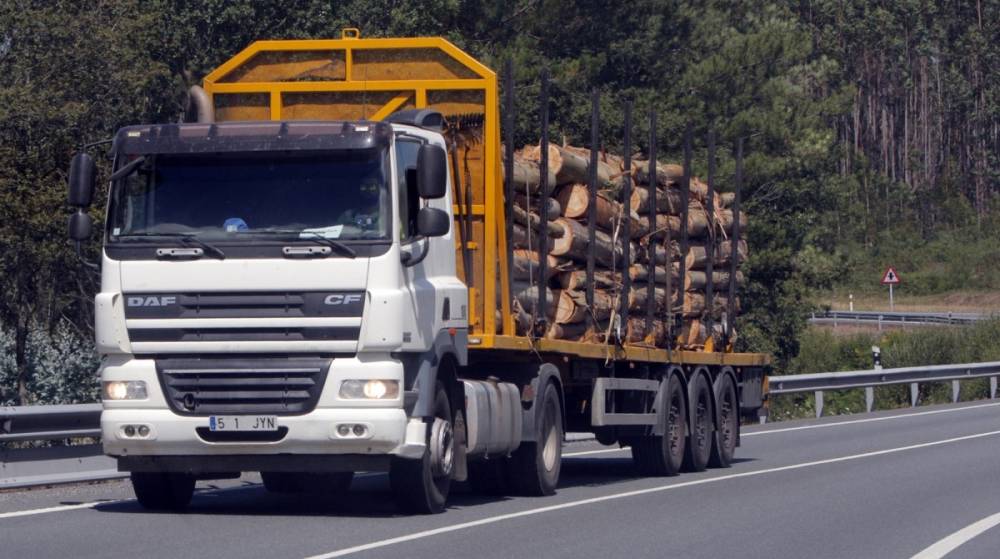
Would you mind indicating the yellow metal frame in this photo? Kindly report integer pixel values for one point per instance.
(494, 263)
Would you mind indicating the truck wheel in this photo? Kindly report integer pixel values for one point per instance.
(302, 482)
(421, 486)
(163, 490)
(663, 455)
(724, 444)
(699, 444)
(489, 477)
(534, 466)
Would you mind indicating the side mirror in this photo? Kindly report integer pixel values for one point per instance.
(82, 171)
(432, 172)
(432, 222)
(80, 225)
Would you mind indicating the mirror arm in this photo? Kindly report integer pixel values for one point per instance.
(409, 260)
(83, 259)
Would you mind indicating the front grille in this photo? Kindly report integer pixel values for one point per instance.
(245, 304)
(275, 386)
(291, 334)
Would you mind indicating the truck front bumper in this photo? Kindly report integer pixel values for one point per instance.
(388, 433)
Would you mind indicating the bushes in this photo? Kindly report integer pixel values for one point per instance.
(822, 351)
(62, 368)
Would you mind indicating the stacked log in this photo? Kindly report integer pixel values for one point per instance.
(682, 318)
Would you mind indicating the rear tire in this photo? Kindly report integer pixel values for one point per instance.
(724, 442)
(663, 455)
(534, 467)
(699, 443)
(418, 485)
(163, 490)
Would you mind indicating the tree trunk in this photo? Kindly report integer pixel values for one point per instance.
(575, 168)
(635, 332)
(697, 257)
(667, 174)
(551, 205)
(695, 280)
(668, 200)
(574, 243)
(527, 296)
(527, 175)
(577, 280)
(21, 331)
(531, 219)
(575, 201)
(526, 265)
(638, 295)
(572, 306)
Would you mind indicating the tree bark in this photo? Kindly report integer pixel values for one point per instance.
(575, 241)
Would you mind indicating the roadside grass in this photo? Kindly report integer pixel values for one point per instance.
(822, 350)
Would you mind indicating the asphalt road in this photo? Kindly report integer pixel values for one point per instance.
(878, 485)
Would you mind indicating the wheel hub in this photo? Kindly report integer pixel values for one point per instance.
(442, 448)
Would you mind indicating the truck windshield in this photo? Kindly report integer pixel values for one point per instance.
(233, 197)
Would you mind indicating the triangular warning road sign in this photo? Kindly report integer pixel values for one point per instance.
(890, 277)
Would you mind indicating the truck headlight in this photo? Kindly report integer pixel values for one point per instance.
(373, 389)
(125, 390)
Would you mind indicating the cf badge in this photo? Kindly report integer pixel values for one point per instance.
(341, 299)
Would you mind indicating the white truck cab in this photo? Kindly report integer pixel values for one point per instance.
(279, 297)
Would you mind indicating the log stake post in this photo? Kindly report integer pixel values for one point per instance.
(710, 248)
(543, 198)
(595, 123)
(734, 243)
(626, 232)
(685, 201)
(508, 174)
(651, 227)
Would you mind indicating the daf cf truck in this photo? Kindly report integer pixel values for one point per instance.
(307, 281)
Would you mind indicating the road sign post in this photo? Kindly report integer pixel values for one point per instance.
(890, 278)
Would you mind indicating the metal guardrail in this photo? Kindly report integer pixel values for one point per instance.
(23, 467)
(897, 318)
(869, 379)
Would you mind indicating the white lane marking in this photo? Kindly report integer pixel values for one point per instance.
(586, 452)
(868, 420)
(61, 508)
(950, 543)
(92, 504)
(616, 496)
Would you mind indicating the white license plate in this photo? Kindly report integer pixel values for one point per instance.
(243, 423)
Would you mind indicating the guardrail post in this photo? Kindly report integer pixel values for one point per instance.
(956, 386)
(879, 323)
(914, 392)
(869, 398)
(819, 404)
(993, 388)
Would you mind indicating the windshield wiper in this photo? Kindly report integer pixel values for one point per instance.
(188, 238)
(316, 237)
(128, 168)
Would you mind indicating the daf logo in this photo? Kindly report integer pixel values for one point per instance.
(337, 299)
(151, 301)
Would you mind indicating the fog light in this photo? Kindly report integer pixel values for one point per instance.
(143, 431)
(129, 431)
(344, 430)
(359, 430)
(125, 390)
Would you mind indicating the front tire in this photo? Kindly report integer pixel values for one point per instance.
(534, 467)
(421, 486)
(163, 490)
